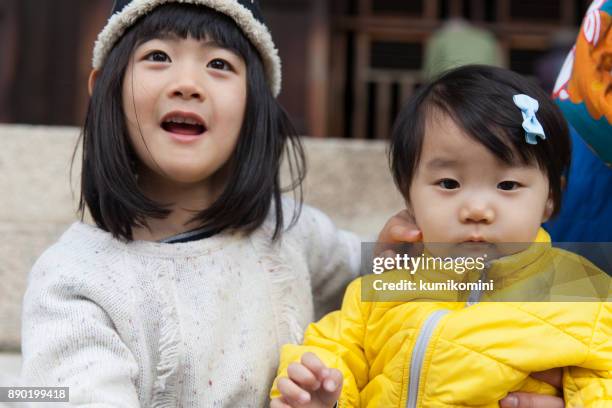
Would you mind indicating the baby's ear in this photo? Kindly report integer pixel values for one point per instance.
(549, 208)
(93, 76)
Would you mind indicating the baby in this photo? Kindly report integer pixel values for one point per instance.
(479, 156)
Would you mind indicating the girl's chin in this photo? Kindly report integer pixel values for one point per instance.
(182, 176)
(189, 178)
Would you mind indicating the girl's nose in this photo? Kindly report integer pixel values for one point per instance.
(477, 213)
(187, 90)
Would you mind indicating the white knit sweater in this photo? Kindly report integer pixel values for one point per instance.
(197, 324)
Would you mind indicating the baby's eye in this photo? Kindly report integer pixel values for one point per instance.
(448, 184)
(218, 63)
(157, 56)
(508, 185)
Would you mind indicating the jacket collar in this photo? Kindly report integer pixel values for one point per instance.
(517, 265)
(504, 270)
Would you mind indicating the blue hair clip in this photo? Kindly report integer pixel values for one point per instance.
(532, 126)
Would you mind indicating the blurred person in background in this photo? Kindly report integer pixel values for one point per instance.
(547, 67)
(458, 43)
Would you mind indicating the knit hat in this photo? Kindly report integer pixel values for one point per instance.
(245, 13)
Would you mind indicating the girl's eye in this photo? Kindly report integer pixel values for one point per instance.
(448, 184)
(508, 185)
(157, 56)
(220, 64)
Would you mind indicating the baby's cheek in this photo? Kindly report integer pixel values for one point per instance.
(433, 214)
(519, 233)
(435, 226)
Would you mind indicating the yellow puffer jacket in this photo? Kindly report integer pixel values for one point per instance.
(449, 354)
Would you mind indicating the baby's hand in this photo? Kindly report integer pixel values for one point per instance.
(310, 385)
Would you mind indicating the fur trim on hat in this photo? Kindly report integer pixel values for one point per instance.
(255, 31)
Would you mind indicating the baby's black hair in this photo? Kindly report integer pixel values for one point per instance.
(109, 187)
(479, 100)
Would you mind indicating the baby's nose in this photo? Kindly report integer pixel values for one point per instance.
(477, 213)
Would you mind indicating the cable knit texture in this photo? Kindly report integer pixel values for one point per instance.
(196, 324)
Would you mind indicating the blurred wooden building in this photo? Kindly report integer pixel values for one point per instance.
(347, 64)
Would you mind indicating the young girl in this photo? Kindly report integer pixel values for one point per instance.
(190, 281)
(479, 156)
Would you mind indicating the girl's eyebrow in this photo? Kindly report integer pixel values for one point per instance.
(211, 43)
(216, 45)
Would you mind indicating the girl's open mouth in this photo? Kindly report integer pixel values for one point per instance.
(184, 128)
(182, 123)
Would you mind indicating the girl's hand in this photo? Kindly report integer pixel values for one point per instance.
(525, 400)
(310, 385)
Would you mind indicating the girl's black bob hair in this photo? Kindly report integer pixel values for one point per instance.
(479, 99)
(109, 187)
